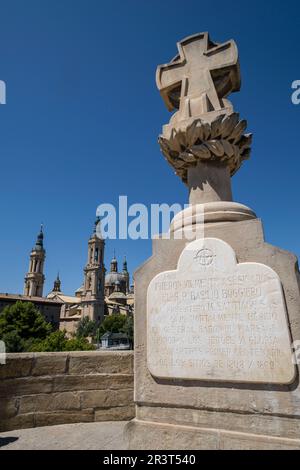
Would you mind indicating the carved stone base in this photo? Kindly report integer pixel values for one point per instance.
(162, 436)
(190, 221)
(173, 413)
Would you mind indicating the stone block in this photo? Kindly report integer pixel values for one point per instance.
(49, 402)
(63, 417)
(17, 365)
(116, 413)
(8, 407)
(101, 362)
(49, 364)
(106, 398)
(17, 422)
(25, 386)
(92, 382)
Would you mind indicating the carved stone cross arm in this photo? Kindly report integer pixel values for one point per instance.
(205, 127)
(203, 72)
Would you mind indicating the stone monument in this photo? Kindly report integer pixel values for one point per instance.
(217, 309)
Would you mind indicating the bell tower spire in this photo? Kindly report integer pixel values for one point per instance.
(34, 279)
(114, 264)
(126, 274)
(57, 284)
(92, 299)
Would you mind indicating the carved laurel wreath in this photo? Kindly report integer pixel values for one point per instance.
(222, 140)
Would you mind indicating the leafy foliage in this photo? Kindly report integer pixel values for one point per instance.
(78, 344)
(57, 341)
(128, 329)
(86, 327)
(113, 324)
(13, 341)
(25, 319)
(23, 328)
(21, 322)
(117, 324)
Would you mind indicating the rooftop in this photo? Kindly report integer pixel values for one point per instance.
(110, 335)
(28, 298)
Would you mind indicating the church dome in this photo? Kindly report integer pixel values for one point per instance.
(117, 296)
(112, 278)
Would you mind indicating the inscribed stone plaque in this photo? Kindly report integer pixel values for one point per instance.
(215, 319)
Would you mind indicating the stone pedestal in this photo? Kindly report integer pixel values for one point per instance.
(218, 412)
(216, 307)
(209, 182)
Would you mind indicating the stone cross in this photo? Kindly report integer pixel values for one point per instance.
(200, 76)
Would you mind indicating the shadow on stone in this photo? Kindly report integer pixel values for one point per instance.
(4, 441)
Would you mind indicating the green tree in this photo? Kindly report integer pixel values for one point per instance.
(79, 344)
(13, 342)
(112, 323)
(20, 322)
(23, 328)
(57, 341)
(86, 327)
(128, 329)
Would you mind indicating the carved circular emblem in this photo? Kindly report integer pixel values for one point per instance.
(205, 257)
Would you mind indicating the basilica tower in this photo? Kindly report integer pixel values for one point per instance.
(34, 279)
(92, 298)
(126, 275)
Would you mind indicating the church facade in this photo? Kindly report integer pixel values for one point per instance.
(100, 295)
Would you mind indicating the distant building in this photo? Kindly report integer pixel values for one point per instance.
(70, 312)
(100, 294)
(119, 297)
(49, 308)
(92, 294)
(115, 341)
(33, 287)
(34, 279)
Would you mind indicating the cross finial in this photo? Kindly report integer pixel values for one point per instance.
(198, 80)
(205, 127)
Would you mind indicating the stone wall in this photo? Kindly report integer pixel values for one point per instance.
(42, 389)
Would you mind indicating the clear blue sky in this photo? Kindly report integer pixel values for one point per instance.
(83, 113)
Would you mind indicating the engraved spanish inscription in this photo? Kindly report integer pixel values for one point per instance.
(215, 319)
